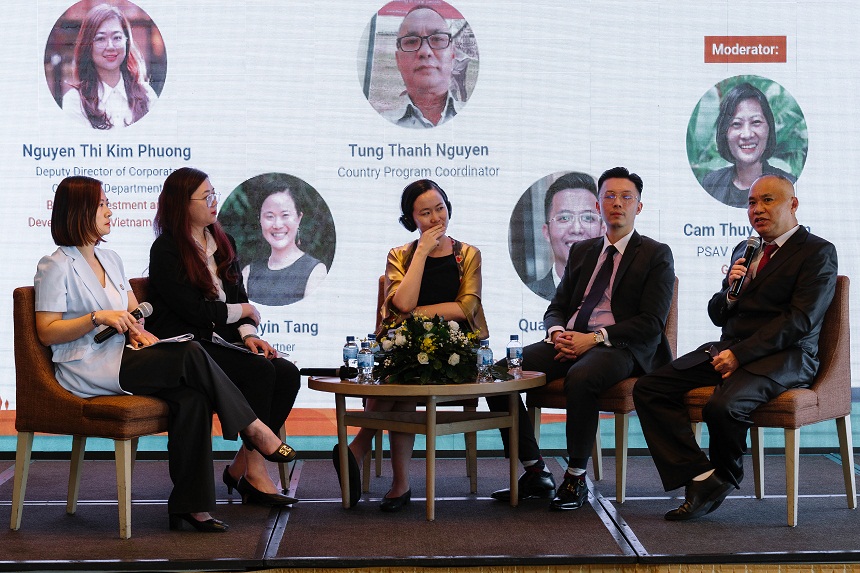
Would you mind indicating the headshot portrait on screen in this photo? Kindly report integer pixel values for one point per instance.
(554, 213)
(105, 64)
(418, 62)
(741, 129)
(285, 237)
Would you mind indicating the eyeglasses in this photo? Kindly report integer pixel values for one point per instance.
(626, 198)
(412, 43)
(102, 40)
(210, 199)
(585, 218)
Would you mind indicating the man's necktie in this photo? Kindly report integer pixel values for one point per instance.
(598, 287)
(765, 256)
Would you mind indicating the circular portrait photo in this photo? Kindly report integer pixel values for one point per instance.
(418, 62)
(554, 213)
(105, 63)
(742, 128)
(284, 234)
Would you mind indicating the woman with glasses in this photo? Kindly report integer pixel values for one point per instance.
(110, 89)
(196, 287)
(80, 291)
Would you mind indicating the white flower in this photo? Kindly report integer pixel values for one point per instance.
(454, 359)
(387, 344)
(400, 340)
(453, 325)
(428, 326)
(423, 358)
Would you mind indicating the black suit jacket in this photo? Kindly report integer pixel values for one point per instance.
(545, 287)
(641, 296)
(180, 307)
(773, 326)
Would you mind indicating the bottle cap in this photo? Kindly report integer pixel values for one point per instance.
(350, 339)
(515, 337)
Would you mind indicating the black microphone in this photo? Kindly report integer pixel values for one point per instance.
(344, 372)
(753, 243)
(144, 310)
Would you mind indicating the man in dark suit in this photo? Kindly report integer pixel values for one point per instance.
(769, 343)
(605, 323)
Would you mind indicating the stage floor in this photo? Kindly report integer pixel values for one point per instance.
(469, 531)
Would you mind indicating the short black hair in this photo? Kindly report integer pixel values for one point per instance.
(572, 180)
(410, 193)
(729, 104)
(621, 173)
(73, 218)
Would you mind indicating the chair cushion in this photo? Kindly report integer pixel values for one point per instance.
(124, 417)
(617, 399)
(791, 409)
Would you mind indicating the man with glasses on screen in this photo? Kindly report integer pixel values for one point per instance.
(425, 57)
(770, 325)
(604, 324)
(571, 216)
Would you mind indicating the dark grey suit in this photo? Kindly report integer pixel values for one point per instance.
(640, 300)
(772, 329)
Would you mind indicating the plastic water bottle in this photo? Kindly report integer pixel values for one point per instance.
(374, 347)
(350, 353)
(485, 361)
(515, 356)
(365, 363)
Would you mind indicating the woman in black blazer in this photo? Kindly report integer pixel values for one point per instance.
(196, 287)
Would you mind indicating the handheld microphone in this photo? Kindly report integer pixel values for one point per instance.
(344, 372)
(753, 243)
(144, 310)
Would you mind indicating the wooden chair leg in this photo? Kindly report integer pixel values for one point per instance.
(365, 472)
(123, 486)
(379, 452)
(471, 439)
(757, 443)
(22, 471)
(792, 459)
(622, 430)
(846, 450)
(534, 418)
(596, 457)
(79, 446)
(283, 469)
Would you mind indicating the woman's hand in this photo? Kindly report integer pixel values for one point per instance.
(121, 320)
(260, 346)
(250, 311)
(429, 240)
(142, 338)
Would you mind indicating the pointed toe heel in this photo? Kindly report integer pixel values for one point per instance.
(211, 525)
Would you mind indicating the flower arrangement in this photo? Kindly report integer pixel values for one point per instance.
(422, 350)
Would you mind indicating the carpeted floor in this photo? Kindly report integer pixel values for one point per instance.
(468, 530)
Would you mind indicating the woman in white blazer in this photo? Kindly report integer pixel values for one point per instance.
(81, 290)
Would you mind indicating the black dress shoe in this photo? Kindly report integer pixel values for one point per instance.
(392, 504)
(282, 455)
(251, 495)
(231, 482)
(701, 497)
(354, 474)
(572, 494)
(211, 525)
(531, 485)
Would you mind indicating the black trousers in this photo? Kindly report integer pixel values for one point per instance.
(183, 375)
(659, 399)
(269, 386)
(584, 380)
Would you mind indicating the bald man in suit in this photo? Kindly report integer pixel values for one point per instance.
(769, 343)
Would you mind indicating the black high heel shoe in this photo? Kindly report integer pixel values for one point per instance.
(211, 525)
(393, 504)
(252, 495)
(231, 482)
(284, 454)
